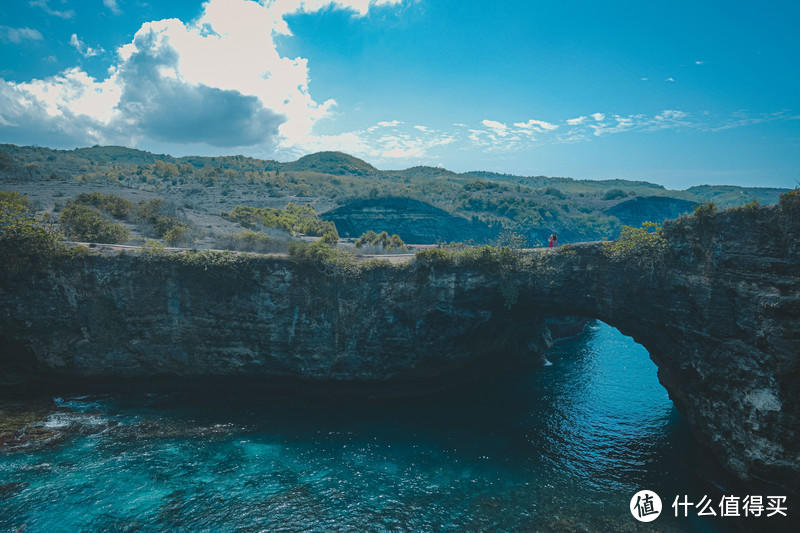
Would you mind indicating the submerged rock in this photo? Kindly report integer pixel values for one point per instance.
(34, 425)
(9, 489)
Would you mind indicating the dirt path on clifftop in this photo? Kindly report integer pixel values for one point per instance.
(115, 249)
(395, 259)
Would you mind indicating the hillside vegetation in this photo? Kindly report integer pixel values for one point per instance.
(474, 206)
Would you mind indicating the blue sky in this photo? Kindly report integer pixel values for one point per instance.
(680, 93)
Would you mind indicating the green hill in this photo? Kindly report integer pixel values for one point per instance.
(531, 206)
(650, 208)
(336, 163)
(119, 155)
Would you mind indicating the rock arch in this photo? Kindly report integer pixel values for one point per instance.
(717, 306)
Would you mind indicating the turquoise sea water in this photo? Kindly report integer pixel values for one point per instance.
(561, 448)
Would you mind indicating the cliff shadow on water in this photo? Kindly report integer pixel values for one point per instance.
(559, 446)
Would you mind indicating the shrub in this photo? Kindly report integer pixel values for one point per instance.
(705, 210)
(295, 219)
(162, 222)
(366, 239)
(251, 241)
(643, 245)
(149, 210)
(25, 241)
(165, 170)
(84, 223)
(382, 240)
(331, 238)
(176, 235)
(153, 248)
(750, 208)
(12, 198)
(327, 259)
(6, 161)
(116, 206)
(552, 191)
(493, 257)
(247, 216)
(613, 194)
(789, 201)
(511, 239)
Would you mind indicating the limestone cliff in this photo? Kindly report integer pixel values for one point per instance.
(717, 306)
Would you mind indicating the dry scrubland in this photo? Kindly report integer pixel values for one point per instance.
(206, 200)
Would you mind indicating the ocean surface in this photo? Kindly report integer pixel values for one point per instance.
(560, 448)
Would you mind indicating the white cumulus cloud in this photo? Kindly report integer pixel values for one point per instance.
(218, 80)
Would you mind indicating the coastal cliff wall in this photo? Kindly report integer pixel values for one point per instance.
(716, 301)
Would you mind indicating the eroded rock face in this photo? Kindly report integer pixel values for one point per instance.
(719, 312)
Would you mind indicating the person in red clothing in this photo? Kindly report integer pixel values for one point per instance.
(551, 240)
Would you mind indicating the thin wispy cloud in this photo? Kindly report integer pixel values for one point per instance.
(18, 35)
(536, 125)
(44, 4)
(499, 129)
(495, 135)
(385, 141)
(741, 119)
(384, 124)
(112, 6)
